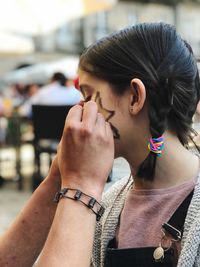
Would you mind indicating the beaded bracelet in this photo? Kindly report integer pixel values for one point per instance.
(87, 200)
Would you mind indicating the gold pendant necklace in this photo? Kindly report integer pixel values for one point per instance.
(159, 254)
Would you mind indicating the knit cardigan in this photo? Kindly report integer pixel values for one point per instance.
(114, 200)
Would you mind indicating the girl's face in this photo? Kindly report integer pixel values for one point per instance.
(114, 108)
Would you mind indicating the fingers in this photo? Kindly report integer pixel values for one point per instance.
(109, 131)
(75, 114)
(84, 120)
(103, 129)
(101, 123)
(90, 114)
(86, 114)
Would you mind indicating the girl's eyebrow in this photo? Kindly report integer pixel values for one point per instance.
(85, 87)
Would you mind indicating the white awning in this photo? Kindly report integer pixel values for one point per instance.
(42, 72)
(15, 44)
(35, 17)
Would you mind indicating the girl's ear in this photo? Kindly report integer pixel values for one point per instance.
(137, 96)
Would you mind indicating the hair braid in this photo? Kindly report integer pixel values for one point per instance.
(159, 109)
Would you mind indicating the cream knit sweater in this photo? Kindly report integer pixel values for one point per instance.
(113, 201)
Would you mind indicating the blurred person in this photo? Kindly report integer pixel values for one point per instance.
(17, 93)
(12, 97)
(31, 90)
(3, 129)
(70, 224)
(57, 92)
(1, 105)
(3, 122)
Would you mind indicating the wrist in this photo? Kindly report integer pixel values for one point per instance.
(87, 200)
(92, 190)
(53, 181)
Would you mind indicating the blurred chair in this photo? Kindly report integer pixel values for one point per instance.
(48, 124)
(13, 139)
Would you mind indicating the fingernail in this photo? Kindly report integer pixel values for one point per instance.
(81, 103)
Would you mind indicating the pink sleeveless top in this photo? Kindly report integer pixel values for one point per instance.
(144, 213)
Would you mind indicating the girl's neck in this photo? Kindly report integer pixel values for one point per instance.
(176, 166)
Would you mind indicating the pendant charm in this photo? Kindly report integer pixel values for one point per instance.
(158, 254)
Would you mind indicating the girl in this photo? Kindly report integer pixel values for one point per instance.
(145, 82)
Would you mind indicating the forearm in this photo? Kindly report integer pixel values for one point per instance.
(23, 241)
(71, 237)
(85, 157)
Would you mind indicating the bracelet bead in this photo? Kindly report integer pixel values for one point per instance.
(77, 195)
(85, 199)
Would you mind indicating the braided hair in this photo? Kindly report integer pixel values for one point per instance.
(156, 54)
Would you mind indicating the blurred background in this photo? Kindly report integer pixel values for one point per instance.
(41, 31)
(39, 38)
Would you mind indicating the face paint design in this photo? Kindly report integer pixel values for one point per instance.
(81, 103)
(115, 131)
(88, 98)
(108, 114)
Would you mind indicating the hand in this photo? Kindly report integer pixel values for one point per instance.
(54, 174)
(86, 150)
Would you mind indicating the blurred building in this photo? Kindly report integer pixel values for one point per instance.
(79, 29)
(79, 33)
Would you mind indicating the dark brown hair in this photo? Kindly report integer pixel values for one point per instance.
(156, 54)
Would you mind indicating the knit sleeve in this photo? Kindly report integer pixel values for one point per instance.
(108, 200)
(110, 195)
